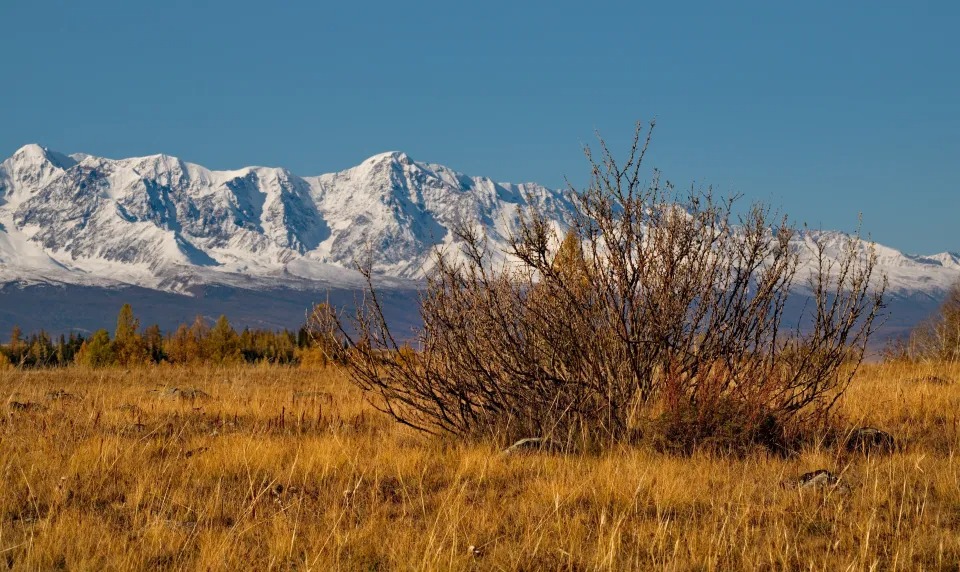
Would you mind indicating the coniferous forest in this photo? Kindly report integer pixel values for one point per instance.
(202, 342)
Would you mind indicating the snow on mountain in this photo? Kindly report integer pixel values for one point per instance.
(402, 209)
(906, 274)
(161, 223)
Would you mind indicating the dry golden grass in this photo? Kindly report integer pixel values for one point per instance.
(289, 469)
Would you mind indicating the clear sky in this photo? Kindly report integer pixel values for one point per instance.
(824, 109)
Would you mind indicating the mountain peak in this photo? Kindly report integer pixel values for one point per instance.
(391, 157)
(948, 259)
(30, 150)
(34, 154)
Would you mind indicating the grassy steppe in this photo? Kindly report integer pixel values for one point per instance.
(289, 469)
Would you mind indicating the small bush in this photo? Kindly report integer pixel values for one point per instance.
(652, 297)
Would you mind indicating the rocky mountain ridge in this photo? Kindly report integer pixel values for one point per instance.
(161, 224)
(147, 221)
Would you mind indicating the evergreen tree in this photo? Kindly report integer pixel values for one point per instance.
(60, 351)
(197, 341)
(128, 346)
(178, 345)
(246, 346)
(74, 343)
(98, 351)
(153, 342)
(223, 343)
(41, 351)
(17, 345)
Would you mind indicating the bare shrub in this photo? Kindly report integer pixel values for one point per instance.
(655, 299)
(936, 338)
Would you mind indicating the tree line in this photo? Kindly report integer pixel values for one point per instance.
(196, 343)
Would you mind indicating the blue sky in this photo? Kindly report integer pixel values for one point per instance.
(824, 109)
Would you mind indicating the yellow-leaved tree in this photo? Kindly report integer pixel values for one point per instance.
(128, 346)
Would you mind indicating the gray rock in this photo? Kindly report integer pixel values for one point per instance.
(817, 479)
(532, 444)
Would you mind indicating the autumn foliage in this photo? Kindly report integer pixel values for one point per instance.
(197, 344)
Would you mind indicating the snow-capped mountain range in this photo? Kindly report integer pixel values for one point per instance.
(163, 224)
